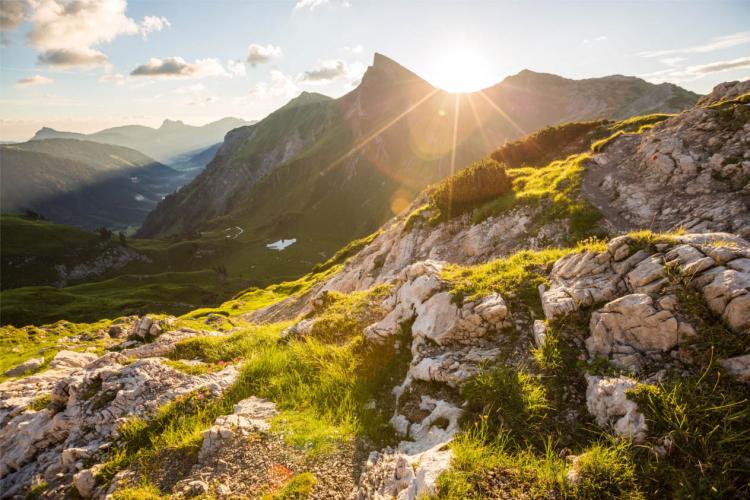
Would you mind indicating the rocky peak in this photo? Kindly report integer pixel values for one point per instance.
(167, 124)
(386, 71)
(726, 90)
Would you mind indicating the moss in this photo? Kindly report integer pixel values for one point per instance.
(40, 403)
(416, 215)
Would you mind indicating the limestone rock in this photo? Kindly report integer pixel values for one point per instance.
(738, 367)
(72, 359)
(25, 367)
(250, 415)
(608, 404)
(631, 325)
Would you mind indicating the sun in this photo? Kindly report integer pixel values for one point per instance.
(461, 69)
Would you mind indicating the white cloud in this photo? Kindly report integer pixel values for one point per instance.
(279, 85)
(716, 43)
(695, 72)
(600, 38)
(314, 4)
(236, 68)
(258, 54)
(12, 14)
(34, 81)
(327, 71)
(177, 67)
(716, 67)
(196, 95)
(67, 33)
(151, 24)
(357, 49)
(115, 78)
(672, 61)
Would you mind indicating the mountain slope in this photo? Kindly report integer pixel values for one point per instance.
(494, 352)
(170, 140)
(324, 171)
(83, 183)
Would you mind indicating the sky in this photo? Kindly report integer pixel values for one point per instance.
(84, 65)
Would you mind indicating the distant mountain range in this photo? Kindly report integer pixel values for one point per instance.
(83, 183)
(325, 171)
(169, 142)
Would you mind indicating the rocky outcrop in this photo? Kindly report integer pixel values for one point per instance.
(639, 315)
(634, 324)
(90, 398)
(690, 171)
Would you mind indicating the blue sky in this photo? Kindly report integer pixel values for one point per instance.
(111, 62)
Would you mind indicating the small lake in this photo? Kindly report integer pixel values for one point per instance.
(281, 244)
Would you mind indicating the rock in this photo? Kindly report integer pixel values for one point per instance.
(196, 488)
(630, 325)
(72, 359)
(142, 326)
(223, 490)
(116, 331)
(728, 294)
(738, 367)
(92, 402)
(25, 367)
(608, 404)
(539, 331)
(85, 482)
(250, 415)
(578, 280)
(493, 310)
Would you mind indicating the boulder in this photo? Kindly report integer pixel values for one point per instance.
(608, 404)
(72, 359)
(631, 325)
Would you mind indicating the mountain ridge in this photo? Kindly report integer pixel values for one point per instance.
(171, 139)
(369, 152)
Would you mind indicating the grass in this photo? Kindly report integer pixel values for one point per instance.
(172, 293)
(516, 277)
(706, 418)
(487, 466)
(322, 384)
(40, 403)
(341, 255)
(510, 400)
(300, 486)
(18, 345)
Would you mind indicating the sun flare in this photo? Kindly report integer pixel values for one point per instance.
(462, 69)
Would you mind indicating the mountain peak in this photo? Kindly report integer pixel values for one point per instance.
(172, 124)
(386, 70)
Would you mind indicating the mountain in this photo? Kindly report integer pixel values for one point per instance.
(83, 183)
(324, 171)
(171, 140)
(527, 336)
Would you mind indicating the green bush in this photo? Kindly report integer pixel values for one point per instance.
(459, 193)
(548, 144)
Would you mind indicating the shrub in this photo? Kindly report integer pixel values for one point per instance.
(548, 144)
(459, 193)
